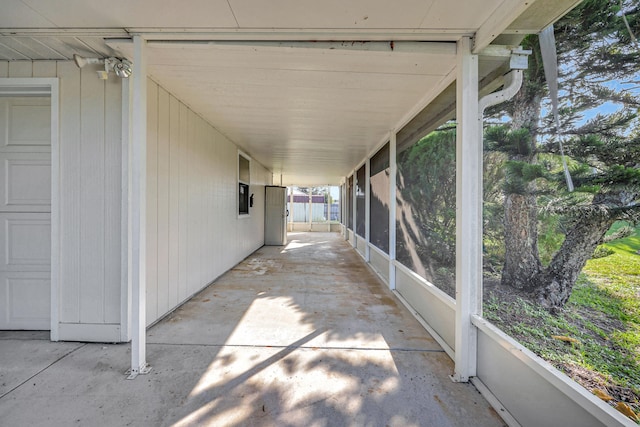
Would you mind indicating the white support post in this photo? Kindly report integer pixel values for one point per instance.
(310, 209)
(367, 208)
(126, 298)
(138, 202)
(468, 213)
(343, 208)
(328, 202)
(393, 168)
(55, 209)
(291, 209)
(354, 198)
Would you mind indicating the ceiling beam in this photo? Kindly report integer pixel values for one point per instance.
(267, 34)
(439, 48)
(64, 32)
(305, 34)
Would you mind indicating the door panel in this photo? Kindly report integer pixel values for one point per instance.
(25, 213)
(27, 182)
(27, 297)
(25, 124)
(26, 241)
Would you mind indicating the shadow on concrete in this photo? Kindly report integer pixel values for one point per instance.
(302, 335)
(307, 335)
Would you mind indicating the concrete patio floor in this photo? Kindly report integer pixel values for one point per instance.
(305, 335)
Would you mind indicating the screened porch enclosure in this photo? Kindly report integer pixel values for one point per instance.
(315, 208)
(158, 178)
(407, 215)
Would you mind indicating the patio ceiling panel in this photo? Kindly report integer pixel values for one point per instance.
(125, 13)
(300, 109)
(301, 112)
(18, 14)
(361, 14)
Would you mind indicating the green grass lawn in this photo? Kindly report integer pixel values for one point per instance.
(601, 319)
(611, 286)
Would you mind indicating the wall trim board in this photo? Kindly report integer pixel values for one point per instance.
(89, 332)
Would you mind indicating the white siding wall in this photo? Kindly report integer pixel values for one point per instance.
(193, 231)
(90, 196)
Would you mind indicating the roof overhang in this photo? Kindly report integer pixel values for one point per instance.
(308, 89)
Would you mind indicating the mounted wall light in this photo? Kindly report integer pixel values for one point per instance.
(122, 67)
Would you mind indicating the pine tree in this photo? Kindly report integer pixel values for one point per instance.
(595, 48)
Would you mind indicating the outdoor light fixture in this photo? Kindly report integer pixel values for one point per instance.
(121, 67)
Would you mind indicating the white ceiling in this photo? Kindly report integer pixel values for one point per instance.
(303, 112)
(310, 14)
(309, 112)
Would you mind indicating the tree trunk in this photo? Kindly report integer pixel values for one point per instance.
(555, 283)
(522, 260)
(521, 241)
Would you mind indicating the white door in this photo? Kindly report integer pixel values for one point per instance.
(25, 213)
(275, 216)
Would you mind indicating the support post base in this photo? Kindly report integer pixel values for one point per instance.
(133, 373)
(457, 378)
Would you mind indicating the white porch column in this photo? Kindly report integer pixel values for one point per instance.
(468, 212)
(138, 200)
(291, 209)
(310, 209)
(367, 208)
(329, 202)
(393, 169)
(344, 219)
(354, 199)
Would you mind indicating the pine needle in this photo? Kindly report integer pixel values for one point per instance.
(602, 394)
(565, 338)
(625, 409)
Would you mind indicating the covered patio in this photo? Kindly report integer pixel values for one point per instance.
(302, 335)
(160, 130)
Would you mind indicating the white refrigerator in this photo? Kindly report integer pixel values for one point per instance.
(275, 216)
